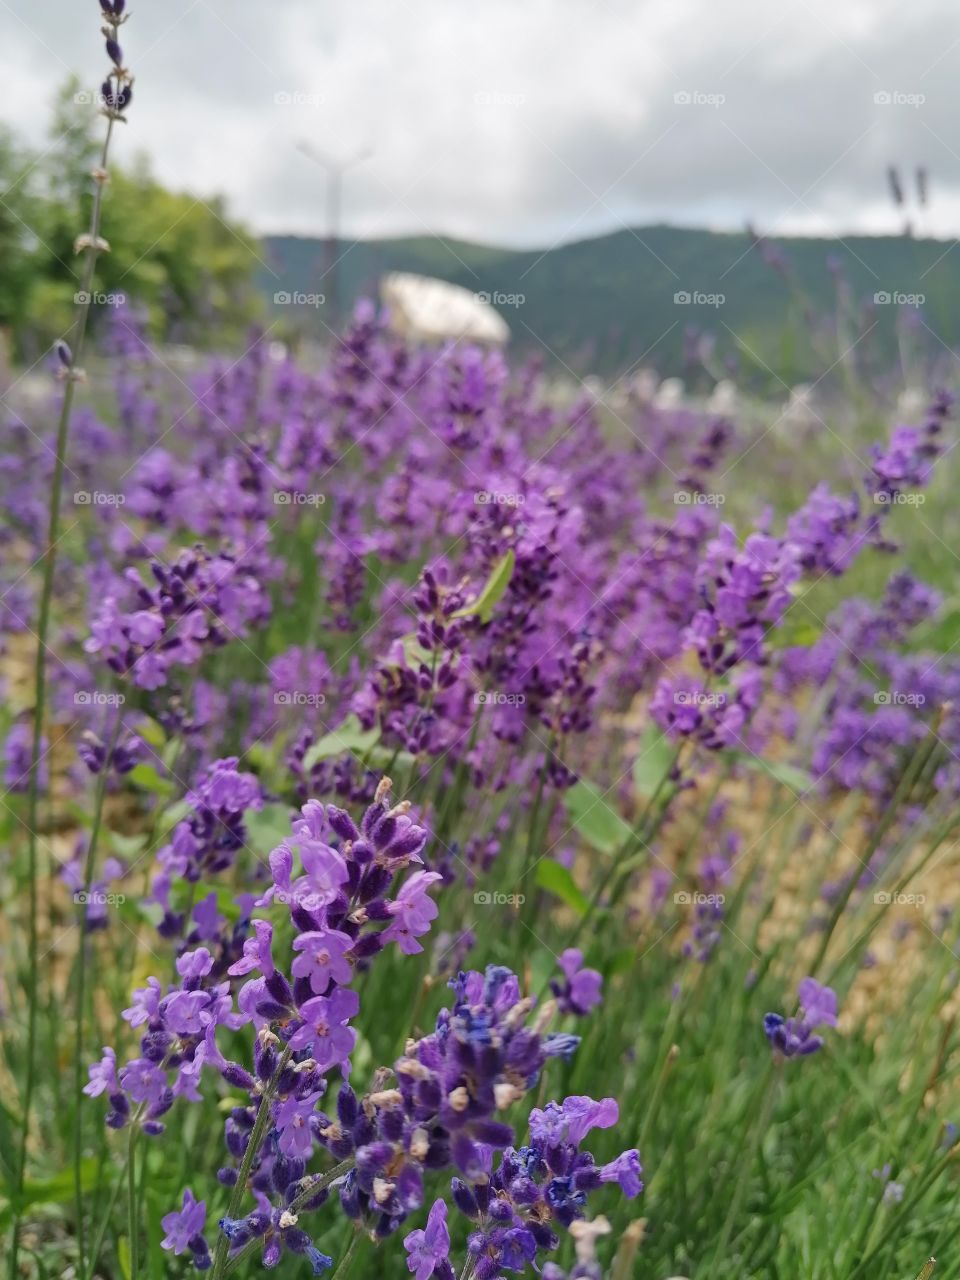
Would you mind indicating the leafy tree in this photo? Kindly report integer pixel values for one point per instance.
(178, 257)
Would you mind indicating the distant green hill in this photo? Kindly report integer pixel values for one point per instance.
(607, 304)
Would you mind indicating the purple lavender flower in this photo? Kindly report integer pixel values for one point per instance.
(323, 958)
(412, 912)
(18, 753)
(794, 1037)
(429, 1249)
(184, 1230)
(324, 1032)
(581, 990)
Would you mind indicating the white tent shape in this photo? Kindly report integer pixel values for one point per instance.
(434, 311)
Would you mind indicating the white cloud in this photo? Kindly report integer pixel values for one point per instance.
(524, 123)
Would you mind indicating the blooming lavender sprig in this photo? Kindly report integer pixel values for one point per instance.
(199, 603)
(794, 1037)
(443, 1112)
(535, 1192)
(207, 841)
(90, 244)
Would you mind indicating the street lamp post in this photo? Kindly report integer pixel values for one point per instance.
(335, 170)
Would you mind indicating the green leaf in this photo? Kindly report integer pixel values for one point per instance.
(350, 736)
(556, 879)
(156, 1206)
(593, 818)
(787, 775)
(58, 1189)
(126, 846)
(795, 632)
(492, 592)
(152, 732)
(400, 762)
(147, 777)
(653, 763)
(174, 813)
(267, 827)
(624, 961)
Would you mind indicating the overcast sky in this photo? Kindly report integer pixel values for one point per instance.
(524, 122)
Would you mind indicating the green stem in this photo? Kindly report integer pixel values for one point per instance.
(108, 1212)
(903, 789)
(664, 1061)
(133, 1224)
(621, 863)
(743, 1173)
(344, 1264)
(316, 1185)
(249, 1155)
(80, 995)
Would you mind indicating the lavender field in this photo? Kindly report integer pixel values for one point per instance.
(465, 819)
